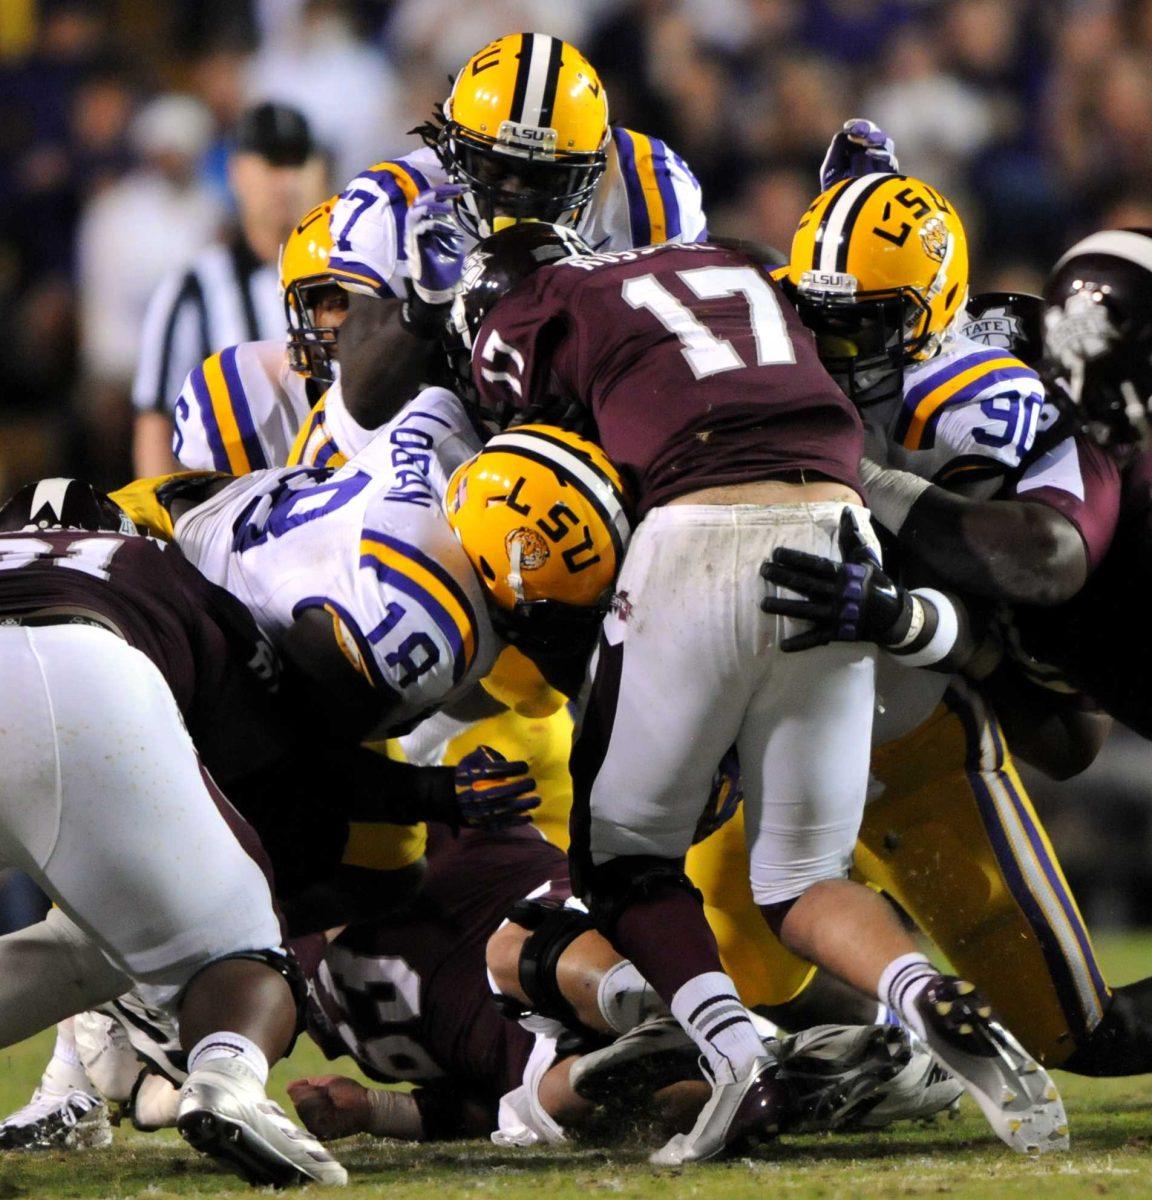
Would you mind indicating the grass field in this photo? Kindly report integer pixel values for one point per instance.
(1111, 1156)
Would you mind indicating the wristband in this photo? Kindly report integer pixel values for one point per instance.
(891, 493)
(915, 626)
(943, 639)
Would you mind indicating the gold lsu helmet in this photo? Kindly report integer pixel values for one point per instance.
(526, 130)
(542, 515)
(879, 272)
(304, 274)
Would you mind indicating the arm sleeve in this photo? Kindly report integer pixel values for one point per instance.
(173, 342)
(367, 226)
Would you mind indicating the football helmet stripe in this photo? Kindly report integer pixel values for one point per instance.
(551, 81)
(839, 219)
(523, 70)
(1121, 243)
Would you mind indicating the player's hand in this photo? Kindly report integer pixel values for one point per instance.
(860, 148)
(332, 1106)
(848, 601)
(493, 793)
(434, 243)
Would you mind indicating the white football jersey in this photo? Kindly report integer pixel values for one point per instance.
(971, 412)
(331, 436)
(240, 410)
(370, 546)
(647, 195)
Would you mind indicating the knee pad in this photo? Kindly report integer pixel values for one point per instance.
(621, 882)
(553, 928)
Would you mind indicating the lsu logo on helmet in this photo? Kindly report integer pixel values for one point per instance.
(541, 514)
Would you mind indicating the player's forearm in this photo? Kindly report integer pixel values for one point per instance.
(382, 365)
(1006, 550)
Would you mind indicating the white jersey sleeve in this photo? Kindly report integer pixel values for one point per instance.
(368, 222)
(239, 410)
(368, 545)
(969, 413)
(648, 195)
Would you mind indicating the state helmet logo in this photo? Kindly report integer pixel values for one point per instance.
(534, 552)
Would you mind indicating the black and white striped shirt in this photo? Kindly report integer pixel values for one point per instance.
(224, 297)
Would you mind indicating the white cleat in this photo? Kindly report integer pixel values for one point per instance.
(736, 1115)
(57, 1121)
(1016, 1094)
(225, 1113)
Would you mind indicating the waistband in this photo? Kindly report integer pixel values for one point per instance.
(729, 515)
(60, 616)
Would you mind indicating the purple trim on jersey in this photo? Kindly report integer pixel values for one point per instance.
(386, 181)
(242, 411)
(362, 645)
(325, 453)
(354, 266)
(971, 390)
(663, 172)
(443, 619)
(637, 208)
(208, 419)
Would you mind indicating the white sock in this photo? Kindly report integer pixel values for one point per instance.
(625, 998)
(901, 982)
(65, 1072)
(229, 1045)
(709, 1009)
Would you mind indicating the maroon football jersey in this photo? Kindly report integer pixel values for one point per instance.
(1082, 483)
(408, 996)
(203, 640)
(695, 369)
(1099, 640)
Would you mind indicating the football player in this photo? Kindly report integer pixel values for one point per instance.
(497, 908)
(523, 134)
(100, 625)
(1041, 550)
(242, 409)
(753, 446)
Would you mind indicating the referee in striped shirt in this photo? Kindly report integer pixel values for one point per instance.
(229, 293)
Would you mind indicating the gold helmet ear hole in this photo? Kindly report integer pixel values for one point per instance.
(486, 568)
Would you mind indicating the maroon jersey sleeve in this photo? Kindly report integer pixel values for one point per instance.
(694, 367)
(1080, 481)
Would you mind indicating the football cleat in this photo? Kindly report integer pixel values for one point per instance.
(737, 1115)
(225, 1113)
(861, 1076)
(651, 1056)
(57, 1121)
(1016, 1094)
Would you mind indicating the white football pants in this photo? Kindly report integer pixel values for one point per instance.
(693, 665)
(103, 803)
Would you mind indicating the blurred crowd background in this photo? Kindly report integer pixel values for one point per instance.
(116, 127)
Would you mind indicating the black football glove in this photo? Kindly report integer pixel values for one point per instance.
(848, 601)
(493, 793)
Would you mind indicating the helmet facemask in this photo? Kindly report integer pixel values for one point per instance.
(865, 340)
(311, 347)
(506, 179)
